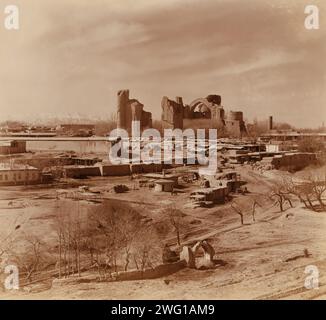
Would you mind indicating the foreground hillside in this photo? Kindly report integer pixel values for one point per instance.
(262, 259)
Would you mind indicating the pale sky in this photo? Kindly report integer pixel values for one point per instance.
(70, 57)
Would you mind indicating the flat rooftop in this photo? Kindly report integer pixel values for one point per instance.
(208, 190)
(161, 176)
(13, 166)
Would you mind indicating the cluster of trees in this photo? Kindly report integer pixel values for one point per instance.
(31, 255)
(111, 237)
(108, 237)
(25, 251)
(258, 127)
(311, 145)
(310, 191)
(313, 130)
(280, 195)
(241, 212)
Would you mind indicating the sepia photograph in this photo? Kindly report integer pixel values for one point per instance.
(162, 150)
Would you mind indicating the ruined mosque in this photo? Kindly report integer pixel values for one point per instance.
(200, 113)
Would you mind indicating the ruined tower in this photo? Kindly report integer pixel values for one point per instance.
(129, 110)
(270, 123)
(172, 113)
(123, 100)
(235, 124)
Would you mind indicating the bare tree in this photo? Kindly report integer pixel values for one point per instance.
(310, 190)
(280, 195)
(238, 211)
(32, 258)
(317, 184)
(279, 198)
(103, 222)
(176, 218)
(6, 242)
(145, 249)
(255, 203)
(299, 190)
(129, 232)
(68, 226)
(59, 227)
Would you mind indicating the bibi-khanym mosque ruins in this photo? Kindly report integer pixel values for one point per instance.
(176, 115)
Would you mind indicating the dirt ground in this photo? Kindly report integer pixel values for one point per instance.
(263, 259)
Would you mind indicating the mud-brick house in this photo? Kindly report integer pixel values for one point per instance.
(12, 147)
(17, 174)
(210, 195)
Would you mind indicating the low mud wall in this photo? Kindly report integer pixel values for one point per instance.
(150, 273)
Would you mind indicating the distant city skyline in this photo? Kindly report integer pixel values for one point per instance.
(70, 57)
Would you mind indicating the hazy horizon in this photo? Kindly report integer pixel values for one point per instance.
(70, 57)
